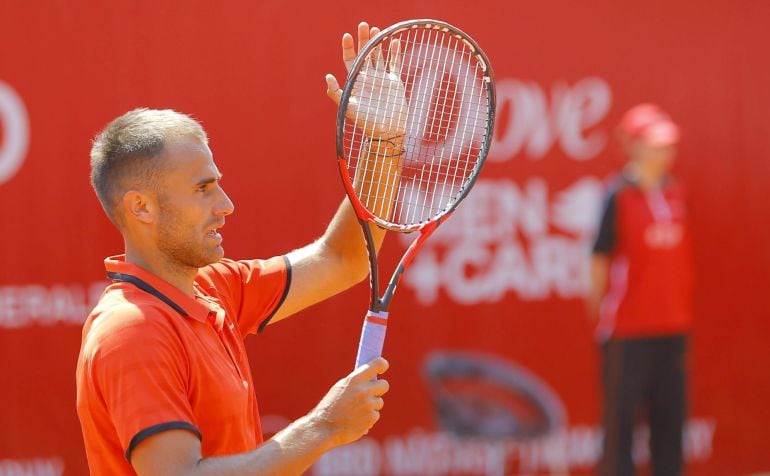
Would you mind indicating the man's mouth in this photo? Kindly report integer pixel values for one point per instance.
(214, 232)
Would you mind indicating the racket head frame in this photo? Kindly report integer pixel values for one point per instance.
(488, 77)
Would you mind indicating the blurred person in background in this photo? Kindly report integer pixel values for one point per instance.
(640, 296)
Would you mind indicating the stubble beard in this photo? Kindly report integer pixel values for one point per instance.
(181, 245)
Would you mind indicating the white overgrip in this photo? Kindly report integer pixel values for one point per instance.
(372, 337)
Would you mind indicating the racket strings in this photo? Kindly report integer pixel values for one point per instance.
(444, 129)
(379, 180)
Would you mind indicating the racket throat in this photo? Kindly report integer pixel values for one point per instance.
(375, 303)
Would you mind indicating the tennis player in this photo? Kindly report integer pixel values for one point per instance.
(163, 380)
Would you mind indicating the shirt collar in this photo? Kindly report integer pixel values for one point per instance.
(632, 178)
(196, 307)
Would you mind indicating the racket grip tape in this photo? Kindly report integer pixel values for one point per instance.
(372, 337)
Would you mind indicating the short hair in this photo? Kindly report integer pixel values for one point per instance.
(124, 155)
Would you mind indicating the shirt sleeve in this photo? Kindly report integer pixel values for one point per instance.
(251, 290)
(607, 236)
(141, 372)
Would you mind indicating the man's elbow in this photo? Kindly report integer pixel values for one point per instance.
(357, 272)
(351, 268)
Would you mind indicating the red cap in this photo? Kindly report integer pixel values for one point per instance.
(651, 124)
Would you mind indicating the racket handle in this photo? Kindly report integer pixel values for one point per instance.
(372, 337)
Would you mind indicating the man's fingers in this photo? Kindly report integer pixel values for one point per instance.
(379, 387)
(395, 56)
(375, 419)
(376, 54)
(333, 89)
(378, 403)
(363, 34)
(348, 50)
(370, 370)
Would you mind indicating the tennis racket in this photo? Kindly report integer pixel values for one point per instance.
(414, 126)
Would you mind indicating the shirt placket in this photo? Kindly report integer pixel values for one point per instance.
(658, 205)
(217, 319)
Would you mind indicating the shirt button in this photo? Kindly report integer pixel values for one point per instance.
(245, 384)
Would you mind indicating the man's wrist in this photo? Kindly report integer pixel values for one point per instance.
(314, 428)
(386, 146)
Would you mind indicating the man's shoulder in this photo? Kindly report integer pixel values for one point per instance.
(124, 314)
(209, 274)
(130, 303)
(619, 183)
(220, 277)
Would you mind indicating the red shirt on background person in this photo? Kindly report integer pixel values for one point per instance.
(646, 241)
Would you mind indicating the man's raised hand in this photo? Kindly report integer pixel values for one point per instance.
(378, 100)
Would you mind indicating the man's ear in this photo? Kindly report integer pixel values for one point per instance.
(139, 206)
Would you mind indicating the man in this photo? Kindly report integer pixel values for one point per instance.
(163, 379)
(641, 294)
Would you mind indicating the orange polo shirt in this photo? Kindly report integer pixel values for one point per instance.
(153, 358)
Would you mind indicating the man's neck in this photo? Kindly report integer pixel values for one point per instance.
(157, 263)
(645, 178)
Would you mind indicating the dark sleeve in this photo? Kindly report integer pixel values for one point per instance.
(607, 237)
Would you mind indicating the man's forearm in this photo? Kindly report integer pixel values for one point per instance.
(291, 451)
(347, 412)
(343, 238)
(338, 259)
(380, 167)
(330, 265)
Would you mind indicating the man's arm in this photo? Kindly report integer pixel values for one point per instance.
(346, 413)
(338, 260)
(600, 271)
(606, 241)
(330, 265)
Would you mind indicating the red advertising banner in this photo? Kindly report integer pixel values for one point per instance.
(494, 365)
